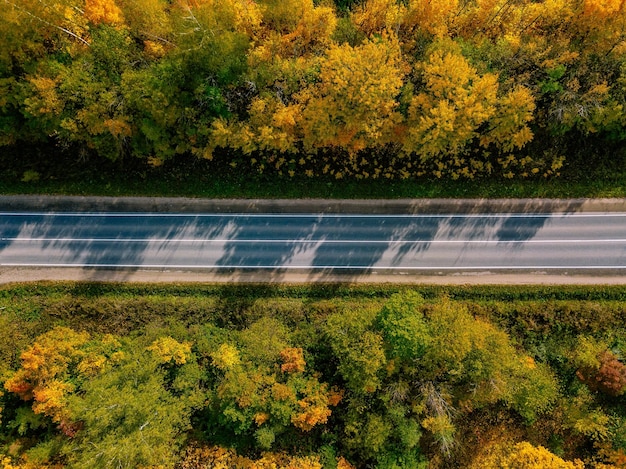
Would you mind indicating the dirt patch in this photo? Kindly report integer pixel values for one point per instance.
(23, 274)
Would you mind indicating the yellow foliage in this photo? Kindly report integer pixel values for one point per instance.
(91, 365)
(154, 49)
(150, 18)
(275, 124)
(282, 392)
(490, 18)
(260, 418)
(119, 128)
(51, 366)
(213, 16)
(50, 399)
(8, 463)
(523, 456)
(508, 128)
(48, 358)
(602, 8)
(430, 15)
(103, 11)
(312, 33)
(45, 99)
(343, 464)
(221, 458)
(354, 104)
(310, 416)
(226, 357)
(168, 349)
(377, 16)
(457, 101)
(313, 407)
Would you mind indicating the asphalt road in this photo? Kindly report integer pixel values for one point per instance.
(589, 241)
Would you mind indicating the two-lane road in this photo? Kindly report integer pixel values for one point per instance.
(588, 241)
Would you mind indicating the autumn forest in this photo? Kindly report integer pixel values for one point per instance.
(320, 377)
(351, 89)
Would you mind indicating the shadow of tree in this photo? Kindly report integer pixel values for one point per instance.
(325, 243)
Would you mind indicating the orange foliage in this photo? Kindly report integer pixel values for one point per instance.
(293, 360)
(50, 368)
(103, 11)
(335, 396)
(44, 365)
(310, 416)
(609, 377)
(314, 406)
(602, 8)
(611, 458)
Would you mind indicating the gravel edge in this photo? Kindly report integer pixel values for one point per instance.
(366, 206)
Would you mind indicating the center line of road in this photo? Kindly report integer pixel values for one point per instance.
(312, 215)
(311, 241)
(321, 267)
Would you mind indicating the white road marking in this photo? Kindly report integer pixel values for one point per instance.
(316, 267)
(311, 215)
(308, 241)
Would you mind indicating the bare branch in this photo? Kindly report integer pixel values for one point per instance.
(60, 28)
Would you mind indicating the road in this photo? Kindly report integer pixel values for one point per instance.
(582, 242)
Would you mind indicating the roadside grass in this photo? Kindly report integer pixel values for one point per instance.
(29, 309)
(191, 177)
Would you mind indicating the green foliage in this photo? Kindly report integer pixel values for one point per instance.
(128, 417)
(384, 376)
(358, 349)
(404, 327)
(366, 89)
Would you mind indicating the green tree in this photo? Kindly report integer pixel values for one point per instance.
(132, 415)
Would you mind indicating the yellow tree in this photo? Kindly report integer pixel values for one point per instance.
(523, 456)
(459, 109)
(267, 397)
(103, 11)
(432, 16)
(351, 106)
(447, 114)
(354, 104)
(147, 17)
(217, 456)
(376, 16)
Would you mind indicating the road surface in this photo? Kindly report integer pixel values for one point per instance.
(582, 242)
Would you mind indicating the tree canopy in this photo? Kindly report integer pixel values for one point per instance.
(371, 89)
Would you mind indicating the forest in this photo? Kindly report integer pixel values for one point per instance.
(318, 377)
(371, 89)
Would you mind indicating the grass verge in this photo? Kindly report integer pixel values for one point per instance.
(191, 177)
(122, 308)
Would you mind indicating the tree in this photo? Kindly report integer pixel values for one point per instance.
(264, 389)
(599, 368)
(358, 349)
(130, 416)
(404, 327)
(354, 105)
(525, 456)
(116, 404)
(446, 119)
(449, 353)
(216, 456)
(48, 367)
